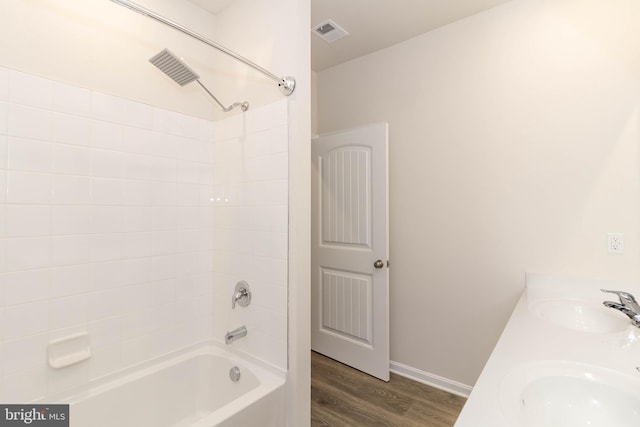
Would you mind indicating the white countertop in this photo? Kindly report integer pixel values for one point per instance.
(530, 339)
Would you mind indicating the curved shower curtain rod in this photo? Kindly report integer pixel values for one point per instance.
(287, 83)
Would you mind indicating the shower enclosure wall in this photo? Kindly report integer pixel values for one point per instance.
(133, 223)
(127, 219)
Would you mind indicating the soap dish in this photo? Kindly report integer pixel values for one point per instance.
(69, 350)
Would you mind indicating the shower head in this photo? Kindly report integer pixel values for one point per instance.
(181, 73)
(174, 67)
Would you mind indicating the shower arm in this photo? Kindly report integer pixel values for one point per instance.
(244, 106)
(287, 84)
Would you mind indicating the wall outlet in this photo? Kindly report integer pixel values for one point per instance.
(615, 243)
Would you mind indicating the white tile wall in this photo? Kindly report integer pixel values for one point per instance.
(106, 226)
(250, 196)
(108, 212)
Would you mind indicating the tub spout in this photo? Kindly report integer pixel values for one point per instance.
(235, 334)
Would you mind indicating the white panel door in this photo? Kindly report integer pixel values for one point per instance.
(349, 255)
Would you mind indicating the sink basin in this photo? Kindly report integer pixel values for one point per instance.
(567, 394)
(580, 315)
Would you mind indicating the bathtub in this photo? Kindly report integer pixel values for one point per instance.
(189, 388)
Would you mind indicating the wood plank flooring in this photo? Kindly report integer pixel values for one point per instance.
(343, 396)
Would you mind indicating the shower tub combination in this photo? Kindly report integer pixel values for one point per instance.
(193, 387)
(203, 386)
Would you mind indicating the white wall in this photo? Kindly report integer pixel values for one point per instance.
(106, 227)
(275, 34)
(250, 198)
(513, 147)
(100, 45)
(314, 103)
(261, 31)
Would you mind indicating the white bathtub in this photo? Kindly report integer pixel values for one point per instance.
(190, 388)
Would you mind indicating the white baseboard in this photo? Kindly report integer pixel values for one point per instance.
(430, 379)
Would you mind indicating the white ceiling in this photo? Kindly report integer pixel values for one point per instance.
(374, 24)
(213, 6)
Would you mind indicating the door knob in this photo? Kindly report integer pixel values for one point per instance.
(378, 264)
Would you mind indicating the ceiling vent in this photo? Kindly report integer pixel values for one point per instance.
(329, 31)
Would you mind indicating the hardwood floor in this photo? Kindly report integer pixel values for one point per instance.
(343, 396)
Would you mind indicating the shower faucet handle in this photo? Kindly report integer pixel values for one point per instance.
(241, 295)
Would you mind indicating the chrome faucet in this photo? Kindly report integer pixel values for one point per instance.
(235, 334)
(241, 295)
(628, 306)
